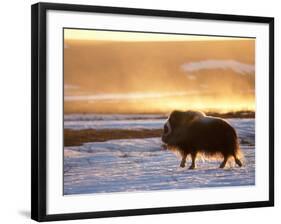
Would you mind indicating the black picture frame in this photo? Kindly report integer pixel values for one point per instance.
(38, 108)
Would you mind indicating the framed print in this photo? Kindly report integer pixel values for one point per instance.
(139, 111)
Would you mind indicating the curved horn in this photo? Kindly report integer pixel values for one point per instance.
(169, 128)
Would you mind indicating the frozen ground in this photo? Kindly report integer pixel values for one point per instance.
(141, 164)
(118, 121)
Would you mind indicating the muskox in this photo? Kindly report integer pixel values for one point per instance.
(192, 132)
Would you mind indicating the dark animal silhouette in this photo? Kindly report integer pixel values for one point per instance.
(192, 132)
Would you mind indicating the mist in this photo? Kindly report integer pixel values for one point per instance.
(157, 77)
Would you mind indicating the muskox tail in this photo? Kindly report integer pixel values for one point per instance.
(238, 154)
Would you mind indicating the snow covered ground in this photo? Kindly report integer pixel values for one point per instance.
(142, 165)
(118, 121)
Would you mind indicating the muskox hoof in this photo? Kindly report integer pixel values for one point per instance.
(192, 167)
(238, 162)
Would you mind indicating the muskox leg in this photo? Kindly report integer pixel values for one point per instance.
(193, 157)
(183, 160)
(237, 161)
(224, 162)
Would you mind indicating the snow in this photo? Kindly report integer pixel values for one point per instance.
(130, 165)
(124, 121)
(113, 121)
(115, 124)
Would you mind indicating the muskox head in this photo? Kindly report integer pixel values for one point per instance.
(177, 125)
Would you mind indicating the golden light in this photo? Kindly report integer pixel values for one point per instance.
(97, 35)
(133, 72)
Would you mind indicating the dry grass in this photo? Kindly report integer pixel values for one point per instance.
(78, 137)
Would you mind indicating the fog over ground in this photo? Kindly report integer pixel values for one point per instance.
(150, 75)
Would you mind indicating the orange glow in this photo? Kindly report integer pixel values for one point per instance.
(126, 72)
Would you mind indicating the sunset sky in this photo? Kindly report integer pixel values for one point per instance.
(130, 72)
